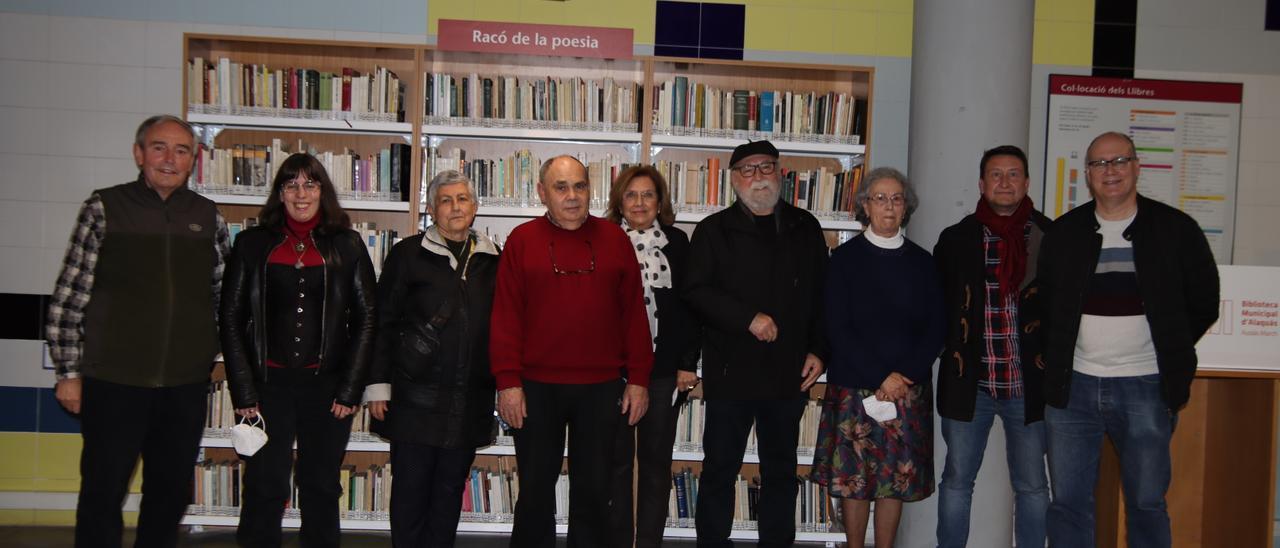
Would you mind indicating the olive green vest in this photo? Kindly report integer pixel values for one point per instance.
(151, 319)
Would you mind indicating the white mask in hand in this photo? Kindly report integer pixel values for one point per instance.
(248, 437)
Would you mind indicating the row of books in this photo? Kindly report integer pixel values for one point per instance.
(511, 180)
(220, 484)
(683, 105)
(490, 496)
(377, 242)
(813, 508)
(705, 186)
(689, 427)
(494, 492)
(224, 86)
(533, 102)
(249, 170)
(689, 424)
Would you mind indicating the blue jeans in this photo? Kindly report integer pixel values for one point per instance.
(1024, 449)
(1132, 412)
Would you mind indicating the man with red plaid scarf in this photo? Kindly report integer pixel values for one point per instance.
(990, 365)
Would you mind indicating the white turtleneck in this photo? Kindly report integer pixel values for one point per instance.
(892, 242)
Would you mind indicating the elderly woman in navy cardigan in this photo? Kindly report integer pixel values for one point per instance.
(886, 325)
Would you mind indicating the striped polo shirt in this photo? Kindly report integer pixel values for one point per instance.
(1114, 338)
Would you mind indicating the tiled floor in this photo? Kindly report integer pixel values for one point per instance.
(50, 537)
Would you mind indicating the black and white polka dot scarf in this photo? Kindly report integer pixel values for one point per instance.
(654, 269)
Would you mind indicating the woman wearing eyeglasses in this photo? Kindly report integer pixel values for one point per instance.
(886, 326)
(640, 201)
(297, 331)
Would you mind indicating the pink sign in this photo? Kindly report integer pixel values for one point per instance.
(1127, 88)
(557, 40)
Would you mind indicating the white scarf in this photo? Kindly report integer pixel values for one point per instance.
(892, 242)
(655, 271)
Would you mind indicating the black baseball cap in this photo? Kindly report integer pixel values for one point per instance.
(751, 148)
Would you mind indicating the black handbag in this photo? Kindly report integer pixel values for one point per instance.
(420, 342)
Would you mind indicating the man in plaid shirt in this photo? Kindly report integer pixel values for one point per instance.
(990, 366)
(132, 331)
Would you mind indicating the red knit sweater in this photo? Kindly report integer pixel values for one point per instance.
(575, 327)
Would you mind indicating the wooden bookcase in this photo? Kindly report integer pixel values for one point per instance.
(432, 136)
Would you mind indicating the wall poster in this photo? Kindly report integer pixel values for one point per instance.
(1187, 136)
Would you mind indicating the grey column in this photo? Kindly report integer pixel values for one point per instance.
(970, 91)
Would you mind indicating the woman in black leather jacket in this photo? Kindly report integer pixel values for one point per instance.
(297, 325)
(436, 408)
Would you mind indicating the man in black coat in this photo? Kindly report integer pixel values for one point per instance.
(1129, 285)
(989, 367)
(756, 274)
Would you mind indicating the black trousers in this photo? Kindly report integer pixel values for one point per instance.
(119, 423)
(426, 494)
(724, 438)
(646, 446)
(590, 411)
(295, 404)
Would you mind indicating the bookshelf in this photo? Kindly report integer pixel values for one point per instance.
(496, 117)
(260, 99)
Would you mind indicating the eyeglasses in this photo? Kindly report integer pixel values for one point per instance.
(294, 187)
(1101, 165)
(763, 168)
(563, 272)
(646, 196)
(881, 199)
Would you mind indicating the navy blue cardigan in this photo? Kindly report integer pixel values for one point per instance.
(884, 314)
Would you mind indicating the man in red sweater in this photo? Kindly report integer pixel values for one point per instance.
(568, 318)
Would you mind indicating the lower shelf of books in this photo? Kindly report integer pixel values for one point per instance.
(503, 446)
(476, 522)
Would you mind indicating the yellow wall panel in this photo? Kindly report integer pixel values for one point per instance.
(487, 10)
(17, 460)
(1063, 43)
(766, 28)
(895, 6)
(456, 10)
(546, 13)
(635, 14)
(816, 26)
(893, 34)
(1065, 10)
(855, 32)
(58, 457)
(17, 517)
(811, 30)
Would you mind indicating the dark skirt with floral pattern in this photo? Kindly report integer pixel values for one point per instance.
(859, 458)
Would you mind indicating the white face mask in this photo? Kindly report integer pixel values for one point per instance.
(248, 437)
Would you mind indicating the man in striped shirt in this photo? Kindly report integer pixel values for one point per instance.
(1129, 286)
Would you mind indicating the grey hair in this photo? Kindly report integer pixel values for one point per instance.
(444, 178)
(546, 166)
(864, 193)
(139, 137)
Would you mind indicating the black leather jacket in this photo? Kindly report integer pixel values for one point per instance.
(347, 324)
(450, 404)
(961, 259)
(1177, 280)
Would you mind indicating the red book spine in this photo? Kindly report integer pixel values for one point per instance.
(293, 88)
(347, 73)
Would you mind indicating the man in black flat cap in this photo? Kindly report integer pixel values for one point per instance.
(756, 276)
